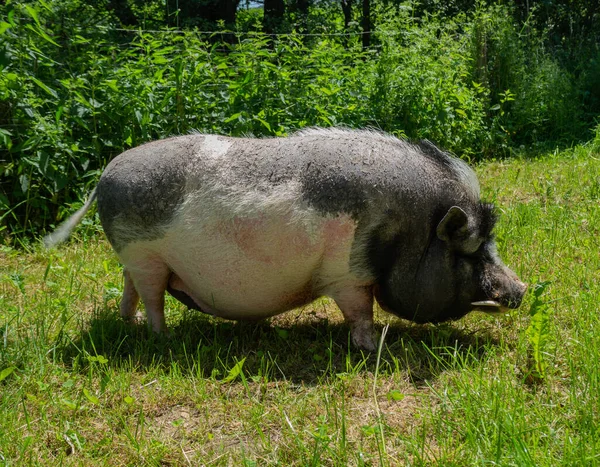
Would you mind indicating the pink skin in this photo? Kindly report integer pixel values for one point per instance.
(251, 268)
(248, 236)
(147, 281)
(356, 304)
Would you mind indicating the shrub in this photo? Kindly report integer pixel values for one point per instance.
(423, 85)
(75, 90)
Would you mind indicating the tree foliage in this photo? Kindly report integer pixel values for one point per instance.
(76, 88)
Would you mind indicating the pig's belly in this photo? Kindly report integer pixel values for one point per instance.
(255, 268)
(236, 287)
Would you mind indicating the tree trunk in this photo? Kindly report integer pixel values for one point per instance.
(274, 12)
(300, 8)
(123, 11)
(366, 24)
(347, 10)
(202, 13)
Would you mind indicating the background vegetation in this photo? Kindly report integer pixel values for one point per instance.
(82, 81)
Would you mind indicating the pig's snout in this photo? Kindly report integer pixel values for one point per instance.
(515, 294)
(509, 291)
(502, 290)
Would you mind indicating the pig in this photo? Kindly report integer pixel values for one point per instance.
(247, 228)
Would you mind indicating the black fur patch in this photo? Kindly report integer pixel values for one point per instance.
(434, 153)
(488, 216)
(143, 188)
(333, 189)
(382, 253)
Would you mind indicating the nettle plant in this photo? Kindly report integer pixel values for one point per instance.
(75, 90)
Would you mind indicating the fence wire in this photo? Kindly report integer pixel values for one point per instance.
(260, 33)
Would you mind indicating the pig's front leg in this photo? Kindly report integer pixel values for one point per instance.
(356, 304)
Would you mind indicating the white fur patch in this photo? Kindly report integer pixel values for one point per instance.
(340, 132)
(215, 146)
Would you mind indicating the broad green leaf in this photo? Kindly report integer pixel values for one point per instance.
(329, 92)
(50, 91)
(70, 404)
(45, 5)
(98, 358)
(90, 397)
(42, 34)
(112, 83)
(395, 395)
(5, 138)
(370, 430)
(159, 60)
(4, 26)
(6, 372)
(68, 384)
(33, 13)
(10, 77)
(233, 117)
(265, 123)
(234, 372)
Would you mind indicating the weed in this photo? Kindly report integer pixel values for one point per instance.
(538, 330)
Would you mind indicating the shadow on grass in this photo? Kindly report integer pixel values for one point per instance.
(305, 352)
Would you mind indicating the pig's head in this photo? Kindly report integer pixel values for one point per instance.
(456, 272)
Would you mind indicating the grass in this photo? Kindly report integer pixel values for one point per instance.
(80, 387)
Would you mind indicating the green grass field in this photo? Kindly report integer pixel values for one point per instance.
(80, 387)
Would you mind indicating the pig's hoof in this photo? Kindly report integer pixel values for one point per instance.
(364, 341)
(135, 319)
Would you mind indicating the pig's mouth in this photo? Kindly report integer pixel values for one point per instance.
(490, 307)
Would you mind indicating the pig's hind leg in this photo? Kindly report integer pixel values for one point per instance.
(146, 280)
(130, 298)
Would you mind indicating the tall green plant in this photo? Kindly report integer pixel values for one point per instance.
(75, 90)
(423, 85)
(530, 97)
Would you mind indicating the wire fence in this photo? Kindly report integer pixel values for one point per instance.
(228, 46)
(260, 33)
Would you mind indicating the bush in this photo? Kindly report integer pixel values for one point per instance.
(532, 99)
(75, 90)
(71, 106)
(423, 84)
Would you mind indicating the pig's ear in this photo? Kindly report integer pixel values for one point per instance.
(453, 228)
